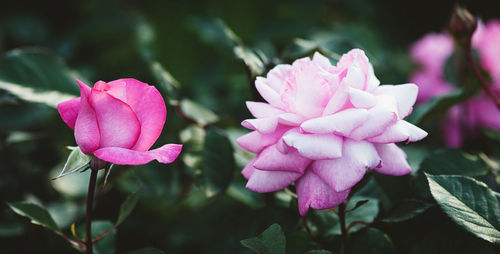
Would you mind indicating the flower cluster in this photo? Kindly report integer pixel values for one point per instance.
(432, 52)
(323, 126)
(119, 121)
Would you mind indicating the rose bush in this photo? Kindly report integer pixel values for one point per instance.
(432, 52)
(323, 126)
(119, 121)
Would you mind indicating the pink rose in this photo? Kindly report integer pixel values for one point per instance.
(119, 121)
(431, 53)
(323, 126)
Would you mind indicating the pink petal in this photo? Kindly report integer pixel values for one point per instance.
(355, 77)
(272, 159)
(268, 93)
(393, 160)
(249, 169)
(400, 131)
(342, 122)
(361, 99)
(267, 181)
(123, 156)
(118, 124)
(485, 112)
(263, 125)
(262, 110)
(337, 101)
(149, 107)
(69, 111)
(87, 134)
(343, 173)
(290, 119)
(315, 146)
(405, 94)
(276, 77)
(313, 192)
(379, 117)
(254, 141)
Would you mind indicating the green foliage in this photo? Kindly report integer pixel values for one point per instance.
(76, 162)
(370, 241)
(37, 214)
(147, 250)
(405, 210)
(199, 204)
(470, 203)
(127, 206)
(271, 241)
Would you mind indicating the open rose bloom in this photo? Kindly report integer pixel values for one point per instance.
(432, 52)
(323, 126)
(119, 121)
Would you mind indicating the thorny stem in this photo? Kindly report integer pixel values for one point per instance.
(343, 229)
(480, 77)
(88, 216)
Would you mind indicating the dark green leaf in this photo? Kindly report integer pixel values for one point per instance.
(76, 162)
(319, 252)
(128, 205)
(48, 97)
(215, 32)
(198, 113)
(439, 105)
(167, 82)
(470, 203)
(271, 241)
(254, 60)
(370, 241)
(37, 214)
(218, 162)
(406, 210)
(453, 162)
(23, 116)
(209, 157)
(147, 250)
(37, 68)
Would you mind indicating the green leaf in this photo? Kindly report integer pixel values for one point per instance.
(199, 113)
(255, 60)
(128, 205)
(147, 250)
(406, 210)
(37, 68)
(370, 241)
(319, 252)
(439, 105)
(469, 203)
(76, 162)
(453, 162)
(167, 82)
(214, 31)
(271, 241)
(37, 214)
(209, 156)
(218, 162)
(47, 97)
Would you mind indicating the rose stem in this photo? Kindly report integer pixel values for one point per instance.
(480, 77)
(88, 216)
(343, 229)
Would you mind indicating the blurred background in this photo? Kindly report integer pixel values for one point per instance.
(184, 208)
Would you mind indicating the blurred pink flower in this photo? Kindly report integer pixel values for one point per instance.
(431, 53)
(119, 121)
(323, 126)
